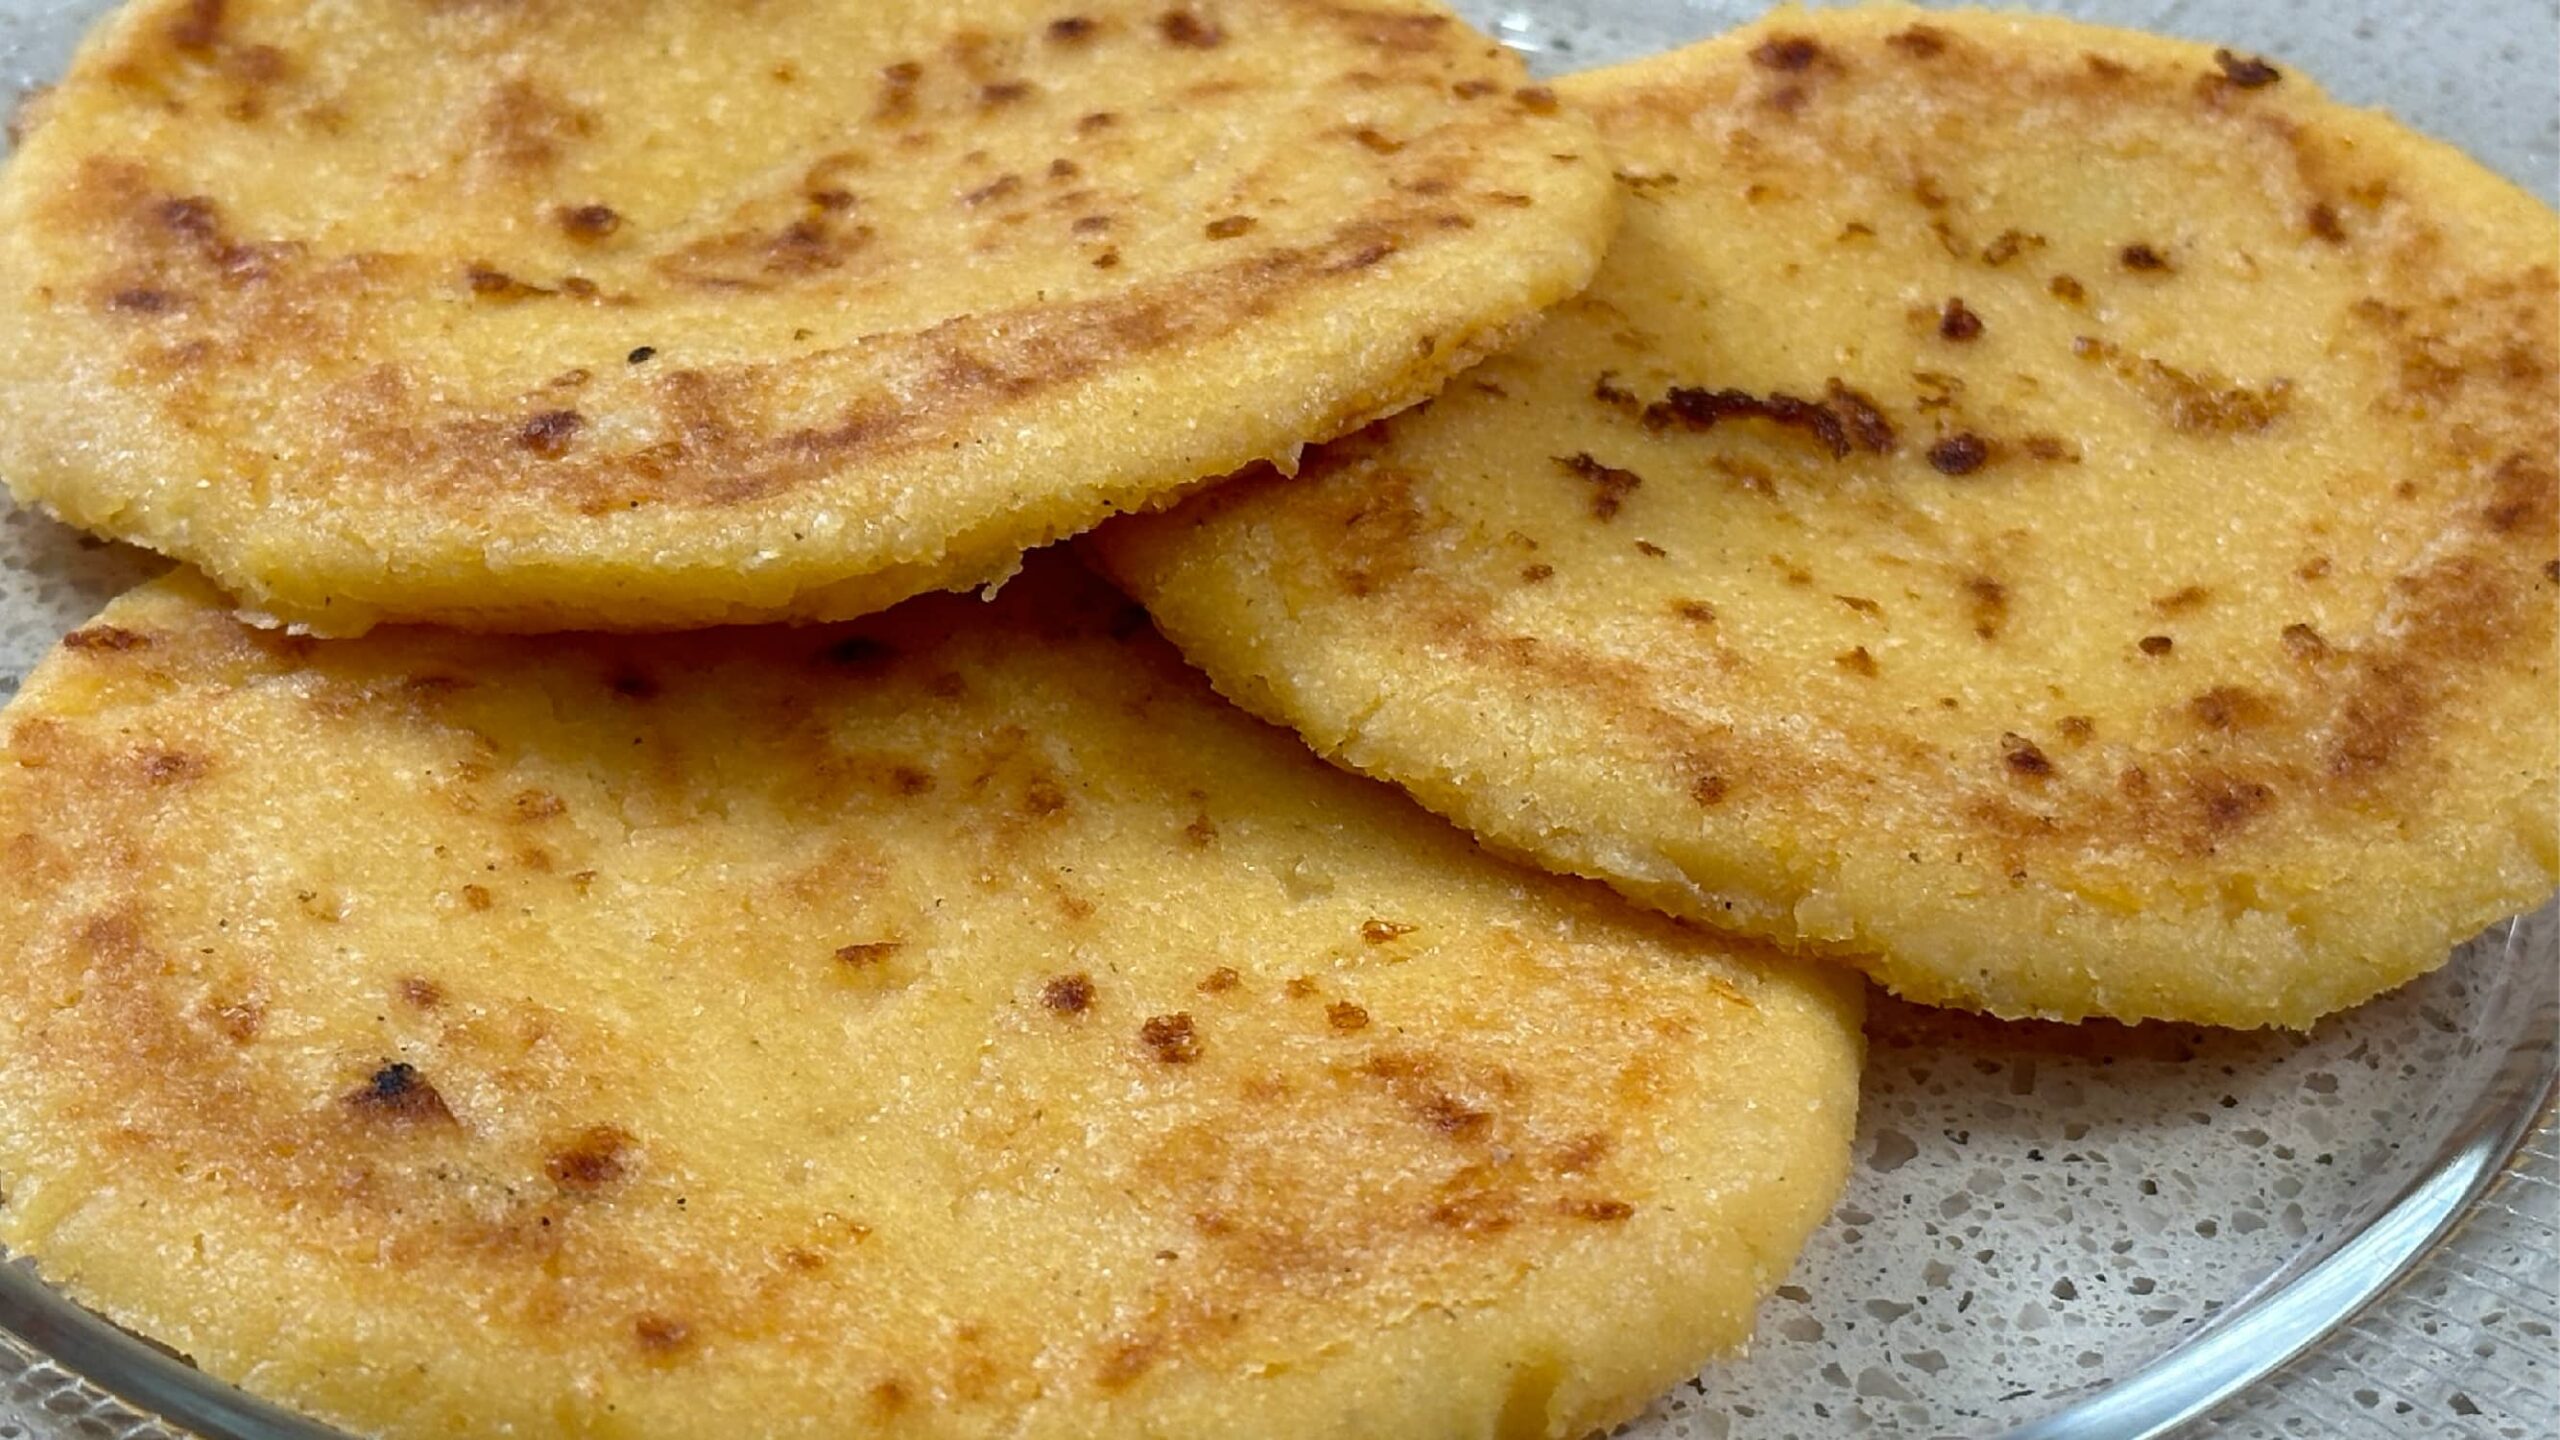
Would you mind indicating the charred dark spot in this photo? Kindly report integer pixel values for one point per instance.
(2182, 600)
(537, 804)
(2228, 707)
(1004, 92)
(588, 223)
(2305, 644)
(1849, 421)
(2322, 219)
(1072, 30)
(143, 300)
(1098, 120)
(2141, 257)
(105, 639)
(1068, 994)
(662, 1336)
(1188, 30)
(1920, 42)
(1220, 981)
(1988, 600)
(1866, 425)
(2228, 802)
(1958, 322)
(2008, 246)
(1856, 662)
(999, 188)
(172, 767)
(1172, 1038)
(1229, 227)
(1610, 486)
(2246, 71)
(1787, 53)
(1448, 1115)
(2155, 644)
(868, 954)
(642, 355)
(1368, 254)
(1608, 392)
(591, 1160)
(1346, 1017)
(491, 283)
(1536, 99)
(2064, 288)
(1709, 790)
(1474, 89)
(2023, 758)
(1375, 143)
(397, 1092)
(1960, 454)
(548, 434)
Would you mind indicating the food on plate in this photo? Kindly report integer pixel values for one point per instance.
(957, 1023)
(552, 316)
(2059, 517)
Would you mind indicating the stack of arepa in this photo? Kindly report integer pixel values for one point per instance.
(546, 925)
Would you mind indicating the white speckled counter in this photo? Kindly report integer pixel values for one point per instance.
(2040, 1213)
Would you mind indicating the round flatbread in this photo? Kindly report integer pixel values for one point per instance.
(961, 1025)
(2061, 517)
(555, 316)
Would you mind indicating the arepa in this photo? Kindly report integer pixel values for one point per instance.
(2059, 517)
(559, 316)
(961, 1024)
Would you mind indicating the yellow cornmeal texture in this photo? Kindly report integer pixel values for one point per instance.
(962, 1025)
(2062, 518)
(555, 316)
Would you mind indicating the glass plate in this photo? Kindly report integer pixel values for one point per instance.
(2053, 1233)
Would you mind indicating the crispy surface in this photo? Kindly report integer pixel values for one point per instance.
(2060, 518)
(963, 1024)
(551, 316)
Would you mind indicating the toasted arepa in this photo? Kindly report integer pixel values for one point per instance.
(2060, 517)
(553, 316)
(963, 1024)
